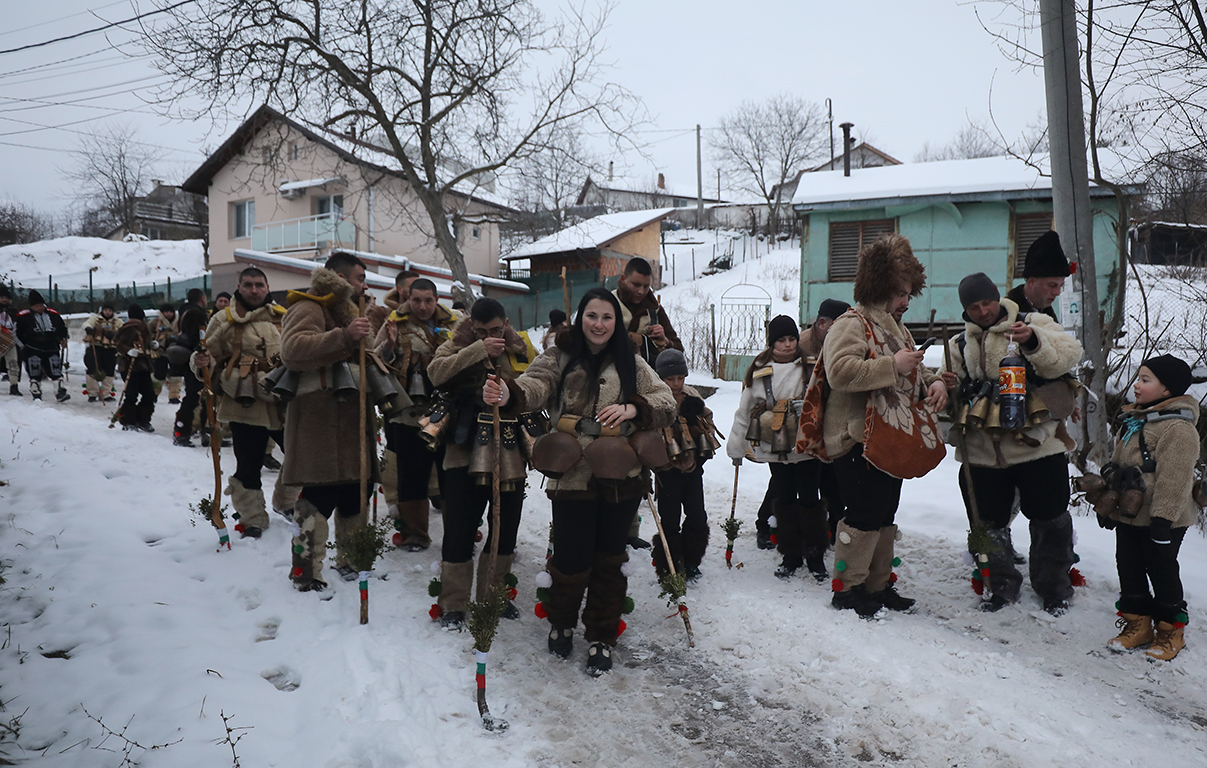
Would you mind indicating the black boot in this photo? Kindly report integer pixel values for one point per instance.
(857, 599)
(1051, 558)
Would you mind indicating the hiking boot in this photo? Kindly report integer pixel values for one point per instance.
(764, 540)
(452, 620)
(693, 575)
(1056, 606)
(786, 571)
(817, 567)
(994, 604)
(511, 613)
(314, 585)
(174, 401)
(636, 542)
(856, 598)
(108, 399)
(894, 601)
(92, 398)
(599, 659)
(346, 572)
(251, 532)
(1166, 642)
(144, 427)
(183, 441)
(129, 428)
(1134, 631)
(13, 389)
(271, 464)
(561, 642)
(62, 396)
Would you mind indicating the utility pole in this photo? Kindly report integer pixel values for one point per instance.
(1080, 311)
(830, 113)
(699, 183)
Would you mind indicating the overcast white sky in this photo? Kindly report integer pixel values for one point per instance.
(903, 72)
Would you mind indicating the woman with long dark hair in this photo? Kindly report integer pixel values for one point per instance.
(597, 392)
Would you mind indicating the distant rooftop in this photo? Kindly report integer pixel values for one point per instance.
(592, 233)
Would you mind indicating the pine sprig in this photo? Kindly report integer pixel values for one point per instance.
(364, 545)
(731, 526)
(674, 588)
(484, 616)
(204, 509)
(980, 541)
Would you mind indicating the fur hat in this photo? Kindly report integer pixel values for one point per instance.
(883, 265)
(670, 362)
(35, 298)
(977, 287)
(1173, 372)
(135, 312)
(832, 309)
(1045, 258)
(556, 317)
(781, 326)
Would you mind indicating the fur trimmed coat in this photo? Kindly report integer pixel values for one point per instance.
(461, 365)
(1057, 353)
(852, 375)
(541, 386)
(636, 319)
(1174, 444)
(261, 340)
(788, 382)
(133, 334)
(416, 346)
(322, 444)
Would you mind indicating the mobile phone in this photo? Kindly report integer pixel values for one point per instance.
(926, 344)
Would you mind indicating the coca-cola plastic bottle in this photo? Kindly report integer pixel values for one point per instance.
(1012, 389)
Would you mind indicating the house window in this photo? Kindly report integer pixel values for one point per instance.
(294, 152)
(329, 204)
(847, 238)
(243, 218)
(477, 232)
(1027, 229)
(154, 233)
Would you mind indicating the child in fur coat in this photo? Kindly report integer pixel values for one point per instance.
(1148, 503)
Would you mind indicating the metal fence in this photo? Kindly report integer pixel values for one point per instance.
(75, 300)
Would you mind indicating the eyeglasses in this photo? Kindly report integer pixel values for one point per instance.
(493, 333)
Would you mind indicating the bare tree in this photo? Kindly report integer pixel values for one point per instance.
(441, 84)
(762, 145)
(1176, 187)
(549, 179)
(21, 224)
(971, 141)
(111, 169)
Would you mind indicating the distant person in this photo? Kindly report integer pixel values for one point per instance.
(100, 356)
(221, 302)
(401, 291)
(557, 324)
(133, 345)
(397, 296)
(43, 337)
(193, 319)
(1044, 273)
(163, 328)
(10, 347)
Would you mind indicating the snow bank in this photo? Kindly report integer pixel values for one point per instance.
(69, 260)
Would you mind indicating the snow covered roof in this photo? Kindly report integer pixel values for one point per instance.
(592, 233)
(986, 178)
(290, 186)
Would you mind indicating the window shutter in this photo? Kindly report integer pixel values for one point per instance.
(1027, 229)
(847, 238)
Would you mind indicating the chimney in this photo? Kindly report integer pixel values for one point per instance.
(609, 171)
(846, 148)
(661, 181)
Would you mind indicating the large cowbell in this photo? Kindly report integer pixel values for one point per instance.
(512, 466)
(382, 388)
(343, 386)
(286, 384)
(245, 390)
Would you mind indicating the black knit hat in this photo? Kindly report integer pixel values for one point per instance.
(1045, 258)
(35, 298)
(780, 327)
(832, 309)
(4, 294)
(135, 312)
(1173, 372)
(556, 317)
(977, 287)
(109, 306)
(670, 362)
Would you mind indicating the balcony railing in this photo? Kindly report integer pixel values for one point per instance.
(326, 230)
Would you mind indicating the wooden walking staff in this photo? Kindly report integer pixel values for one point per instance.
(732, 525)
(566, 296)
(670, 563)
(215, 448)
(977, 539)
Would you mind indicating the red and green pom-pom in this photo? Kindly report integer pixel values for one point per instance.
(238, 527)
(1181, 620)
(512, 593)
(840, 566)
(434, 587)
(1075, 578)
(892, 578)
(836, 585)
(542, 594)
(621, 627)
(978, 586)
(896, 562)
(511, 580)
(296, 573)
(297, 549)
(435, 612)
(540, 611)
(1076, 558)
(396, 540)
(629, 605)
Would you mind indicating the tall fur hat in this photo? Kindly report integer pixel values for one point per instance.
(889, 260)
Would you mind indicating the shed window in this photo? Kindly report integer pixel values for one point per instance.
(847, 238)
(1027, 229)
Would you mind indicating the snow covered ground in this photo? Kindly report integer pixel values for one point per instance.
(69, 260)
(118, 608)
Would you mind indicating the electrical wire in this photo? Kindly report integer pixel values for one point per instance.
(62, 18)
(110, 25)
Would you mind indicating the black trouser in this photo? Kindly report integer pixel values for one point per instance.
(871, 496)
(1042, 485)
(681, 493)
(465, 502)
(100, 362)
(1140, 560)
(188, 404)
(827, 483)
(159, 368)
(138, 398)
(584, 528)
(250, 443)
(415, 461)
(327, 498)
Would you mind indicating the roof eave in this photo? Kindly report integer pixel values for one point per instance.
(996, 196)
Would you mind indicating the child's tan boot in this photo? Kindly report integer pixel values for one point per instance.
(1167, 643)
(1134, 631)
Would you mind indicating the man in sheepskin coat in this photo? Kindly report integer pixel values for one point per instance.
(1030, 460)
(885, 279)
(322, 329)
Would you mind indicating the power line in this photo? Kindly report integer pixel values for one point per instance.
(62, 18)
(89, 66)
(53, 63)
(64, 128)
(97, 29)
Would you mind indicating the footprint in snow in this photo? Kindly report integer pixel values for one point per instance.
(268, 630)
(250, 599)
(283, 678)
